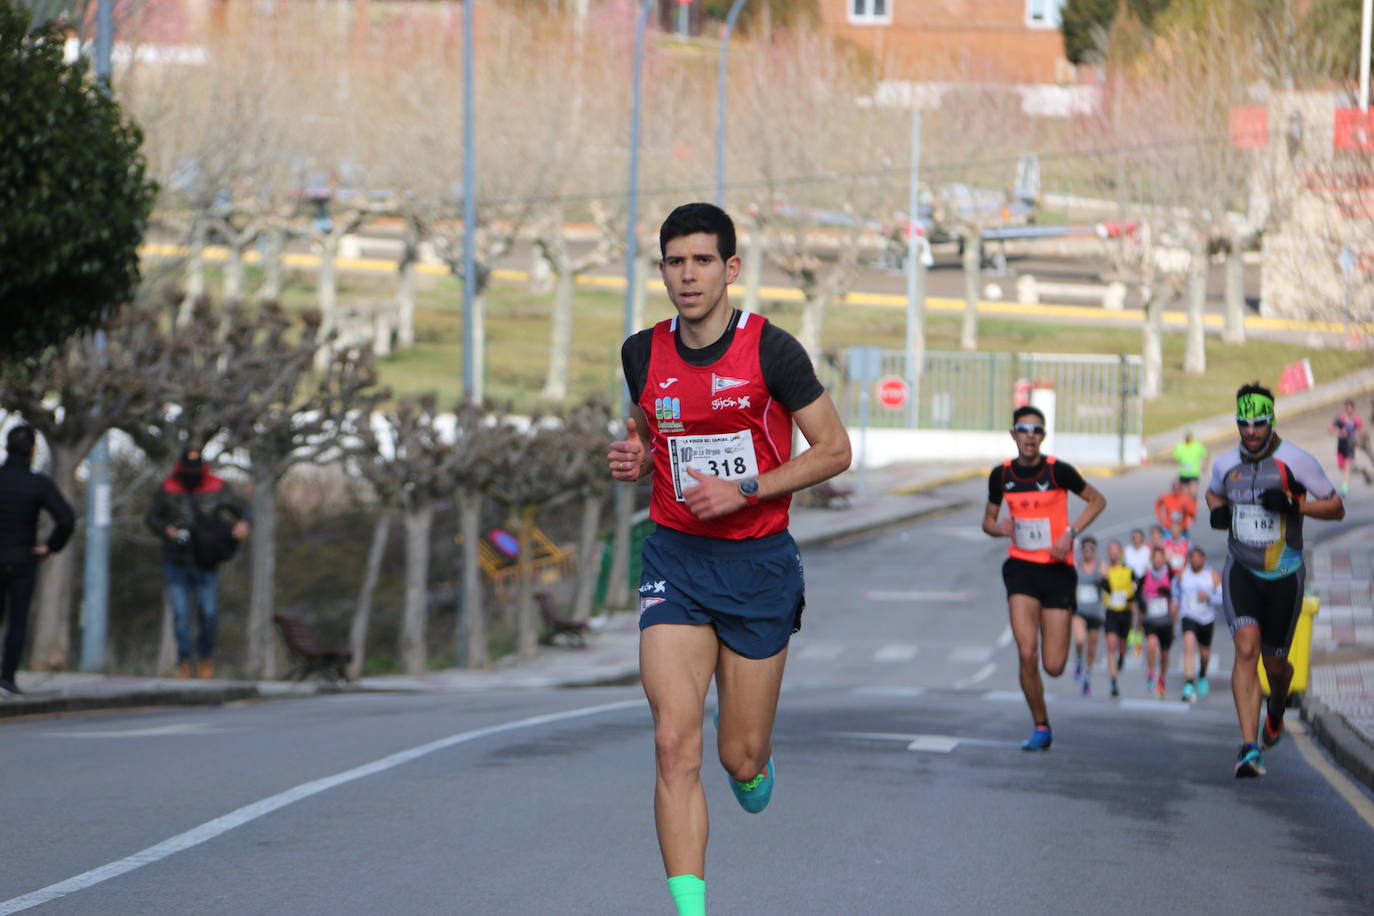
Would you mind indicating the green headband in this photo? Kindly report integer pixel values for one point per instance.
(1254, 407)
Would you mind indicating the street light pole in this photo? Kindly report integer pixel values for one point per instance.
(617, 585)
(95, 590)
(469, 215)
(915, 275)
(730, 20)
(1366, 21)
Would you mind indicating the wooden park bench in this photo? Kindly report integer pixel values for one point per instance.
(830, 495)
(307, 656)
(573, 632)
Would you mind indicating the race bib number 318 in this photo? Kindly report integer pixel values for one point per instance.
(727, 455)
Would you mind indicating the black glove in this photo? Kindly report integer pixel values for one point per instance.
(1275, 500)
(1221, 517)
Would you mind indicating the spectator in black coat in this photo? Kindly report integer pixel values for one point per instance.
(200, 520)
(22, 494)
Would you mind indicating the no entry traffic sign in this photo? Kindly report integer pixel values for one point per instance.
(893, 392)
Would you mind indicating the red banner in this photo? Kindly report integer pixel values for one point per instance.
(1249, 127)
(1354, 129)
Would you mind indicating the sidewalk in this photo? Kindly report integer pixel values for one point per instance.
(891, 496)
(1339, 705)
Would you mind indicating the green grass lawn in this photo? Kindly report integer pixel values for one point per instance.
(518, 342)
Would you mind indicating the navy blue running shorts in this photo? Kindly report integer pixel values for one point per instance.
(751, 591)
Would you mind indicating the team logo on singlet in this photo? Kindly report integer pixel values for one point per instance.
(740, 403)
(721, 383)
(668, 413)
(646, 603)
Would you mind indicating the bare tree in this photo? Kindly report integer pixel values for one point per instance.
(814, 229)
(588, 431)
(408, 469)
(551, 240)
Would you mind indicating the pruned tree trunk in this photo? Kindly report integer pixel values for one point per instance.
(560, 338)
(1152, 344)
(526, 621)
(51, 644)
(752, 269)
(419, 520)
(405, 288)
(1195, 353)
(474, 621)
(1234, 329)
(326, 295)
(362, 614)
(618, 580)
(195, 269)
(812, 321)
(643, 270)
(233, 273)
(167, 639)
(588, 556)
(261, 663)
(973, 252)
(272, 284)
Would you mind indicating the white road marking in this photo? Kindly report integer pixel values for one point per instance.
(823, 651)
(889, 691)
(187, 728)
(931, 744)
(916, 595)
(972, 655)
(220, 825)
(898, 652)
(982, 674)
(1169, 705)
(1011, 696)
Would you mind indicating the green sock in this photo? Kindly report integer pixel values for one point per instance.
(689, 893)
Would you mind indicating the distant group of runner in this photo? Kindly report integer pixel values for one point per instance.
(716, 393)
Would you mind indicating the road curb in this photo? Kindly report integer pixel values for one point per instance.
(842, 533)
(30, 705)
(1341, 741)
(925, 485)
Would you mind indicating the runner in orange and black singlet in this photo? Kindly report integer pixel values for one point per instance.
(1038, 572)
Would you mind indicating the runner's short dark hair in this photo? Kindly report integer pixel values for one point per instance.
(689, 219)
(1088, 540)
(1027, 409)
(20, 441)
(1253, 388)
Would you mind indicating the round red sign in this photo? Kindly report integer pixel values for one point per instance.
(893, 391)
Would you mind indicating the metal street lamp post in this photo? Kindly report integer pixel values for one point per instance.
(95, 598)
(730, 20)
(469, 214)
(617, 586)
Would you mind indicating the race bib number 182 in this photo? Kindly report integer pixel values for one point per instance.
(1255, 525)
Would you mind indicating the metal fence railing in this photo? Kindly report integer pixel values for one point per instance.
(1095, 394)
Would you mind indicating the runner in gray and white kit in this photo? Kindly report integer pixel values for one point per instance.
(1260, 493)
(1088, 614)
(1198, 592)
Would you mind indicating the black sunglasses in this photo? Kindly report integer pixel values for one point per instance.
(1028, 428)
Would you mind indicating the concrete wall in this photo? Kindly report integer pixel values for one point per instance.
(876, 448)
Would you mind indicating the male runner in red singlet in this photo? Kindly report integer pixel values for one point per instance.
(715, 393)
(1038, 572)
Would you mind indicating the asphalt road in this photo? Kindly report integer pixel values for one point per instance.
(901, 788)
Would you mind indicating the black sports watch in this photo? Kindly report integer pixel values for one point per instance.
(749, 489)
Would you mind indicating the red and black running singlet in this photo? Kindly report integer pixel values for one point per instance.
(718, 419)
(1039, 506)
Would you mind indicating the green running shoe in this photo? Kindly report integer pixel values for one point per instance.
(1250, 762)
(753, 796)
